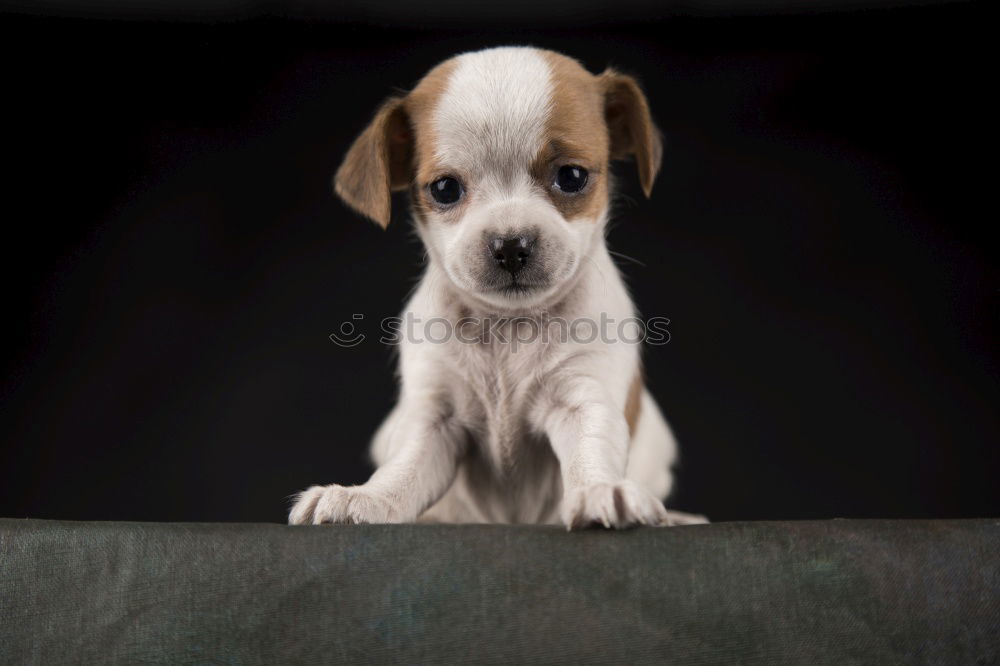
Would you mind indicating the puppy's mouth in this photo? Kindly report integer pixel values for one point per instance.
(516, 286)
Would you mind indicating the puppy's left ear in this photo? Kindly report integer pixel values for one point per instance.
(630, 126)
(379, 161)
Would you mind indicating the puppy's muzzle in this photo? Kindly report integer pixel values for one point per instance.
(512, 254)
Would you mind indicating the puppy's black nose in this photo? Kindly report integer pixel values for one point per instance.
(511, 254)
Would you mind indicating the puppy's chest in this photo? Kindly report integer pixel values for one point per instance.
(498, 387)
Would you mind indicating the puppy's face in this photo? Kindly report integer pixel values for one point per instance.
(506, 155)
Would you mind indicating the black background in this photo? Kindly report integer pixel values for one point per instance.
(174, 259)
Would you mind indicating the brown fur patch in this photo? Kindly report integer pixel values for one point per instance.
(630, 126)
(576, 135)
(392, 149)
(633, 403)
(378, 162)
(420, 105)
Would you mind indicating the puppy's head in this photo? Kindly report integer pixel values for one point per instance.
(506, 155)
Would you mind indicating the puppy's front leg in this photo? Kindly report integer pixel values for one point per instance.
(420, 446)
(590, 437)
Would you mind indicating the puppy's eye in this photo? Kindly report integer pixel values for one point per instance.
(446, 190)
(571, 178)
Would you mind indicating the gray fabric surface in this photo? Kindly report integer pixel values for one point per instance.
(798, 592)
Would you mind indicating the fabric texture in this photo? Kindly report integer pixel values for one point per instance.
(839, 591)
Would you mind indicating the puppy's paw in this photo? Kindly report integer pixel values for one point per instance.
(339, 504)
(617, 505)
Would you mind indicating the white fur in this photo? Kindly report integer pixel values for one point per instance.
(493, 432)
(507, 91)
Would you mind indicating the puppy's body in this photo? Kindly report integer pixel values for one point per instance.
(506, 154)
(503, 392)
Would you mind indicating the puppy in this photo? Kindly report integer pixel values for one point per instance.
(506, 155)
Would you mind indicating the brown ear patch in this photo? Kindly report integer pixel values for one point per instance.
(630, 126)
(379, 161)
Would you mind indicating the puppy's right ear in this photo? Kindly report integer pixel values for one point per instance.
(379, 161)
